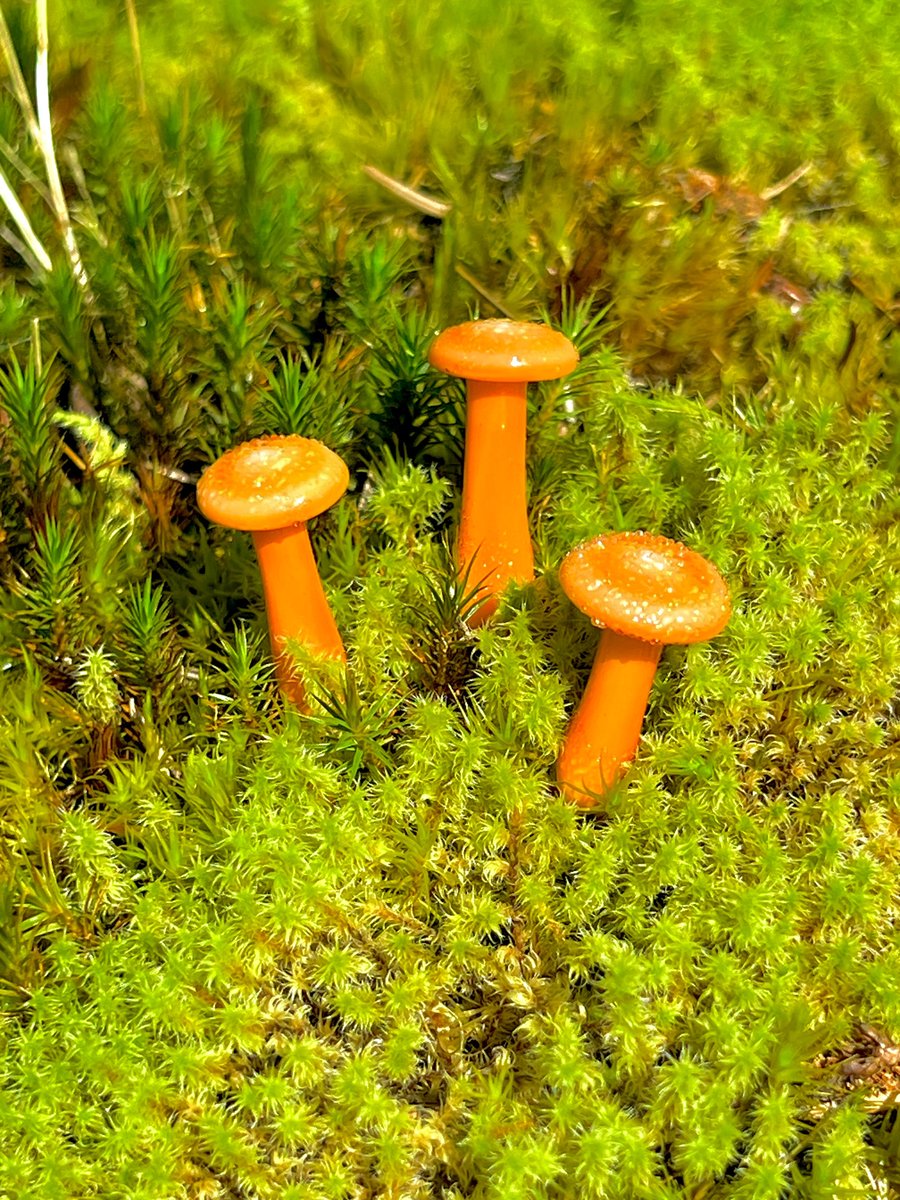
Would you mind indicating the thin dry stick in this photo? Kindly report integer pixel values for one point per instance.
(45, 141)
(20, 248)
(135, 35)
(36, 344)
(425, 204)
(25, 171)
(491, 297)
(434, 208)
(783, 184)
(73, 162)
(215, 241)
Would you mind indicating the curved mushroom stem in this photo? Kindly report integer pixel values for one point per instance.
(494, 535)
(296, 605)
(603, 735)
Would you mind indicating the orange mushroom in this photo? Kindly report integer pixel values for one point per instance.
(270, 487)
(498, 359)
(648, 592)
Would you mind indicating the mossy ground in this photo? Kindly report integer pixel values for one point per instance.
(368, 951)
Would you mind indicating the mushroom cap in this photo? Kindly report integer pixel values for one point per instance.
(648, 587)
(498, 351)
(271, 482)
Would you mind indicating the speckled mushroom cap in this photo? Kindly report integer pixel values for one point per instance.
(271, 482)
(647, 587)
(499, 351)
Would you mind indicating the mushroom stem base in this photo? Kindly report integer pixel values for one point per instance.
(296, 606)
(604, 732)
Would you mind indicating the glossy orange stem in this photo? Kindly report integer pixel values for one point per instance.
(296, 606)
(606, 727)
(494, 535)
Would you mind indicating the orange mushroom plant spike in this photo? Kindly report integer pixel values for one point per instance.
(270, 487)
(648, 592)
(498, 359)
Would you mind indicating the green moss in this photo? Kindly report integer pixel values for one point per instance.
(265, 944)
(368, 950)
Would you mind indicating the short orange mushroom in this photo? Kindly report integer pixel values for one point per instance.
(648, 592)
(498, 359)
(270, 487)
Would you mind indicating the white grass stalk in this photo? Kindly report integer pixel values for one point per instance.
(39, 126)
(18, 214)
(18, 81)
(45, 142)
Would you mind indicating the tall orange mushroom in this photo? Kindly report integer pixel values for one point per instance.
(498, 359)
(648, 592)
(270, 487)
